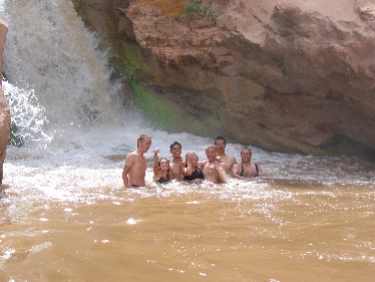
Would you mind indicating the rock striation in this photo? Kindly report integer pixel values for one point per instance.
(4, 107)
(283, 75)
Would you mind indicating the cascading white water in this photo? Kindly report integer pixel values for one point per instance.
(27, 114)
(48, 51)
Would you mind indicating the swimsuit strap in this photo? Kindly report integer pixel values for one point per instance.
(162, 180)
(256, 167)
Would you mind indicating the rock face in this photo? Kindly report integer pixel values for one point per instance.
(283, 75)
(4, 107)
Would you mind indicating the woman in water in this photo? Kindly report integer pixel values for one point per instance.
(161, 169)
(192, 171)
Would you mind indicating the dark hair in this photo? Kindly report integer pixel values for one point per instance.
(246, 148)
(163, 159)
(175, 143)
(167, 162)
(221, 138)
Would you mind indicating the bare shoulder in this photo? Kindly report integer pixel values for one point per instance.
(231, 159)
(131, 157)
(236, 167)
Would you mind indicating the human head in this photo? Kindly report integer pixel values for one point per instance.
(220, 144)
(246, 154)
(163, 164)
(143, 142)
(193, 157)
(211, 152)
(175, 149)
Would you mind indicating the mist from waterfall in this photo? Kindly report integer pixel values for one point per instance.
(56, 76)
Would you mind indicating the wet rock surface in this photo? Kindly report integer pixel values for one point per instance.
(289, 76)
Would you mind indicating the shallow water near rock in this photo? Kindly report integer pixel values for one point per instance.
(65, 215)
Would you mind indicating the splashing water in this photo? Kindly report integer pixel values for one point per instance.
(58, 59)
(27, 113)
(72, 119)
(64, 209)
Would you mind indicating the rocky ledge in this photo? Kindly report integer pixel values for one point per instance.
(290, 76)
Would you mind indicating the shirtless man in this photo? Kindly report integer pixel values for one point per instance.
(214, 169)
(246, 169)
(229, 160)
(177, 162)
(135, 166)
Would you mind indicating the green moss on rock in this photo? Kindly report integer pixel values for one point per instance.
(154, 111)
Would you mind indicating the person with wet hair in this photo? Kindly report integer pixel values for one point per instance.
(229, 160)
(214, 170)
(162, 173)
(134, 171)
(192, 171)
(246, 169)
(177, 163)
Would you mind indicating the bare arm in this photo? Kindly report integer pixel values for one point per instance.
(222, 174)
(260, 171)
(202, 164)
(233, 163)
(127, 166)
(188, 170)
(156, 164)
(236, 170)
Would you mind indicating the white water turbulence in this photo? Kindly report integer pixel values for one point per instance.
(55, 57)
(65, 215)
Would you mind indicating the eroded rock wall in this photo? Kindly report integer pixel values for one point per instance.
(295, 76)
(4, 107)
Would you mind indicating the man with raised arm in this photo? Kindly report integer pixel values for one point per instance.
(229, 160)
(246, 169)
(214, 170)
(135, 166)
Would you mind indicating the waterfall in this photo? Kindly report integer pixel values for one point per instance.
(56, 75)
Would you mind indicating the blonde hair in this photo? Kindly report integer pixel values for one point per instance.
(211, 146)
(141, 138)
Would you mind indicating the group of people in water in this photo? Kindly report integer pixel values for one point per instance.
(215, 169)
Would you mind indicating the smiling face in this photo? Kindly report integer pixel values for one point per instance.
(164, 164)
(246, 155)
(211, 153)
(220, 145)
(176, 151)
(195, 159)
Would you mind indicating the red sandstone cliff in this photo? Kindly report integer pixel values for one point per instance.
(287, 75)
